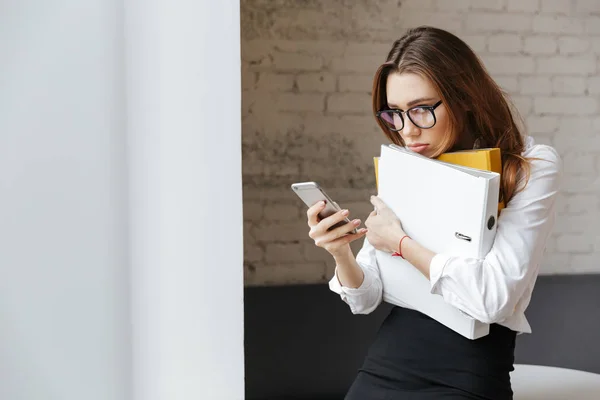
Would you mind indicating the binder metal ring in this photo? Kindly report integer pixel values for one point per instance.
(462, 237)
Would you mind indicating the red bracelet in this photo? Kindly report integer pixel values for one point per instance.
(399, 252)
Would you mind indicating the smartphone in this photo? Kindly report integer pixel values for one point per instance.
(311, 193)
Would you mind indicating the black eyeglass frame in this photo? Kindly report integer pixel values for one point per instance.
(430, 108)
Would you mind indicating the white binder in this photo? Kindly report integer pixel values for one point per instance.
(448, 209)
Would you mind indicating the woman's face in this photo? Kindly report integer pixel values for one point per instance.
(408, 90)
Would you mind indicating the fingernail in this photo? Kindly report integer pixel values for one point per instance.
(356, 222)
(345, 212)
(321, 203)
(363, 230)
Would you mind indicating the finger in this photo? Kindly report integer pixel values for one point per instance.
(333, 219)
(378, 203)
(370, 218)
(346, 239)
(313, 213)
(340, 231)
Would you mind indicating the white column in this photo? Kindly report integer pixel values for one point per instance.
(184, 127)
(64, 296)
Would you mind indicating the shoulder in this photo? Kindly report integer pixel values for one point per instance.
(545, 171)
(541, 155)
(543, 159)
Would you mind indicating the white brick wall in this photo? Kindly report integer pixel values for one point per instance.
(307, 77)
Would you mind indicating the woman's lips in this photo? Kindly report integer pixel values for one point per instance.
(418, 148)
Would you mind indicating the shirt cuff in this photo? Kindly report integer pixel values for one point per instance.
(336, 286)
(436, 271)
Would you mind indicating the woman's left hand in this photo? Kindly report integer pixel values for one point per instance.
(384, 227)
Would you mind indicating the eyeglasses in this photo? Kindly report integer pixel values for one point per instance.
(421, 116)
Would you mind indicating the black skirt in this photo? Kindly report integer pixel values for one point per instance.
(415, 357)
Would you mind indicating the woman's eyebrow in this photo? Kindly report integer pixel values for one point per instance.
(412, 102)
(419, 100)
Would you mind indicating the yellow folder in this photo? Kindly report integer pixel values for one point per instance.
(484, 159)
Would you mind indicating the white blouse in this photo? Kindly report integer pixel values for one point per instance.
(497, 288)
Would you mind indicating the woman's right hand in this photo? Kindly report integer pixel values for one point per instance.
(337, 240)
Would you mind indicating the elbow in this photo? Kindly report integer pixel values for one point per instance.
(490, 308)
(486, 312)
(367, 303)
(496, 299)
(500, 303)
(364, 299)
(495, 310)
(495, 316)
(364, 309)
(366, 306)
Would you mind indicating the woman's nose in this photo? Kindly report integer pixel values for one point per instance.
(410, 129)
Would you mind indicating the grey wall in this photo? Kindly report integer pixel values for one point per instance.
(302, 342)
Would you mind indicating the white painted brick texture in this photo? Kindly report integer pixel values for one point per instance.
(307, 70)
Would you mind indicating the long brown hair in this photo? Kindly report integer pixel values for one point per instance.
(476, 105)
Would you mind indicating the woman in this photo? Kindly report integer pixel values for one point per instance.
(433, 95)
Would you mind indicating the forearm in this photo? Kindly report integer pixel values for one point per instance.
(417, 255)
(414, 253)
(349, 273)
